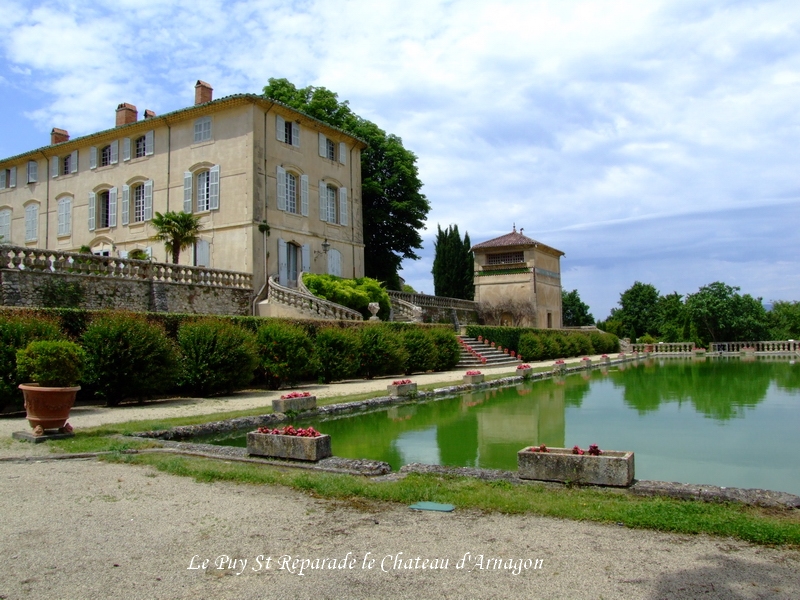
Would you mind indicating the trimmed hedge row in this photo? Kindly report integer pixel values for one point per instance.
(545, 344)
(135, 355)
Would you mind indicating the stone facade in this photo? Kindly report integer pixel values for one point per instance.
(277, 192)
(518, 282)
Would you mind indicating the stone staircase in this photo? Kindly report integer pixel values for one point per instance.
(493, 357)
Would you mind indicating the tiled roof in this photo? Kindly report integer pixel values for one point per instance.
(514, 238)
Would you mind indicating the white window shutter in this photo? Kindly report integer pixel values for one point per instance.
(61, 217)
(33, 171)
(73, 162)
(93, 157)
(126, 149)
(92, 209)
(126, 204)
(148, 199)
(323, 201)
(202, 254)
(68, 216)
(281, 188)
(334, 262)
(213, 187)
(343, 206)
(54, 167)
(295, 134)
(187, 192)
(283, 265)
(149, 145)
(343, 153)
(304, 195)
(12, 177)
(114, 152)
(323, 145)
(3, 184)
(280, 128)
(306, 266)
(112, 207)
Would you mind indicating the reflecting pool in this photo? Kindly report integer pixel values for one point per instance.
(715, 421)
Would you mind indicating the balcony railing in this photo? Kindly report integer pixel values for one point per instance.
(309, 304)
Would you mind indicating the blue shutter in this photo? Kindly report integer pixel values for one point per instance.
(148, 199)
(343, 206)
(306, 266)
(281, 188)
(213, 187)
(187, 192)
(126, 203)
(304, 195)
(283, 265)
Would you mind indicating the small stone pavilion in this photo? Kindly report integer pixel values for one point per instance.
(518, 281)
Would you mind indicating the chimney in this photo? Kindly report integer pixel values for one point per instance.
(149, 114)
(58, 135)
(126, 113)
(202, 92)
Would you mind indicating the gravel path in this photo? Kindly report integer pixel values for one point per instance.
(87, 529)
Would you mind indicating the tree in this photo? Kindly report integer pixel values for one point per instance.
(178, 231)
(784, 320)
(637, 312)
(720, 314)
(453, 264)
(574, 312)
(394, 208)
(672, 323)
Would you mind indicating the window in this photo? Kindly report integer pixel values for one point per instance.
(327, 149)
(65, 216)
(33, 171)
(140, 147)
(329, 209)
(291, 197)
(505, 258)
(202, 130)
(287, 131)
(202, 254)
(31, 222)
(142, 196)
(66, 167)
(292, 260)
(103, 209)
(109, 155)
(201, 190)
(5, 226)
(105, 156)
(8, 178)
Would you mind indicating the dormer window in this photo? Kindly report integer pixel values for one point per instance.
(505, 258)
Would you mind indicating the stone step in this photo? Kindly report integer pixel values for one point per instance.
(492, 355)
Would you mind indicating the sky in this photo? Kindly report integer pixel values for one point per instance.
(652, 141)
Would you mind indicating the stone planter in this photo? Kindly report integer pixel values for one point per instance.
(473, 379)
(289, 446)
(48, 407)
(559, 367)
(525, 372)
(699, 352)
(604, 360)
(611, 468)
(587, 363)
(405, 389)
(283, 405)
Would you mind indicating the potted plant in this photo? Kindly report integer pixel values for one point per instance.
(289, 442)
(473, 377)
(592, 467)
(54, 369)
(402, 387)
(524, 370)
(295, 402)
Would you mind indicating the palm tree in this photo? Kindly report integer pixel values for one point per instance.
(178, 231)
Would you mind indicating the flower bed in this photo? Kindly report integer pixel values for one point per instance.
(295, 444)
(294, 402)
(403, 387)
(592, 467)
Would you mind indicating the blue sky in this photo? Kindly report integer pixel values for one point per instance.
(651, 141)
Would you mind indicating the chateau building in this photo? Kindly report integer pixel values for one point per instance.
(518, 281)
(277, 192)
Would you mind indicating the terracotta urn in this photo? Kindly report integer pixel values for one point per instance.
(48, 407)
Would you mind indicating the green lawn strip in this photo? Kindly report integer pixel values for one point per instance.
(662, 514)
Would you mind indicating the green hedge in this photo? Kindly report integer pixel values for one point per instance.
(337, 354)
(355, 294)
(382, 351)
(545, 344)
(285, 352)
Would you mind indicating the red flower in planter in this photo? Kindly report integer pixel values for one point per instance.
(541, 448)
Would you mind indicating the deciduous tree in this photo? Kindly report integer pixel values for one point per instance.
(720, 314)
(574, 312)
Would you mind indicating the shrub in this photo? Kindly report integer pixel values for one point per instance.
(446, 350)
(336, 354)
(127, 357)
(382, 351)
(531, 347)
(551, 347)
(352, 293)
(285, 353)
(581, 344)
(420, 349)
(51, 363)
(16, 332)
(216, 356)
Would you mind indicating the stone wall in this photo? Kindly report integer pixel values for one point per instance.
(31, 277)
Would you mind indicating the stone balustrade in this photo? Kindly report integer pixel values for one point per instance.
(75, 263)
(310, 304)
(405, 310)
(770, 347)
(426, 301)
(664, 347)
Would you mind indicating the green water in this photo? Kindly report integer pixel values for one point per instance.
(719, 421)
